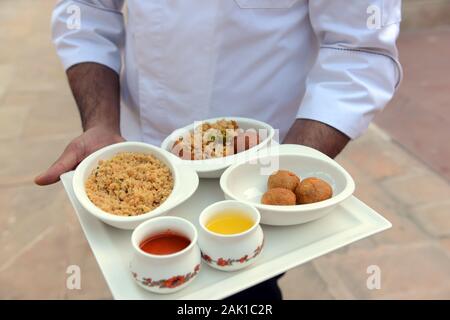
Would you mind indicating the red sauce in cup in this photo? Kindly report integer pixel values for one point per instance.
(164, 243)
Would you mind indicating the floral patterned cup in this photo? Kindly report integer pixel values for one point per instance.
(165, 273)
(232, 251)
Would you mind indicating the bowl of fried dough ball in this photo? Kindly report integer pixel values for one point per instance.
(293, 186)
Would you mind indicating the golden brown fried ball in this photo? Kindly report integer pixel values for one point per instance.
(181, 149)
(279, 196)
(312, 190)
(245, 140)
(283, 179)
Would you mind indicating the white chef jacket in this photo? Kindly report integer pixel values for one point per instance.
(334, 61)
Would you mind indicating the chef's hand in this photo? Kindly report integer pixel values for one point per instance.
(317, 135)
(82, 146)
(96, 89)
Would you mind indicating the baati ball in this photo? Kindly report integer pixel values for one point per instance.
(283, 179)
(279, 197)
(312, 190)
(245, 140)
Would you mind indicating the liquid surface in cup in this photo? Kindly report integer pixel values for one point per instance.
(164, 243)
(230, 222)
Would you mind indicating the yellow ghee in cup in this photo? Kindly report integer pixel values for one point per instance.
(230, 222)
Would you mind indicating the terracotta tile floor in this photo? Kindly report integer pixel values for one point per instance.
(422, 102)
(40, 236)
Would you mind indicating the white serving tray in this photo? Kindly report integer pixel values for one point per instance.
(285, 247)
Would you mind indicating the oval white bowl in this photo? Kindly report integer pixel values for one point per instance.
(247, 182)
(185, 183)
(213, 168)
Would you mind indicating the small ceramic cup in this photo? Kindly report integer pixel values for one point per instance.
(232, 251)
(165, 273)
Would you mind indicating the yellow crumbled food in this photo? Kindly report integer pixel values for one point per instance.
(129, 184)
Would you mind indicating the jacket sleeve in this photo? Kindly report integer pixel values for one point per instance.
(89, 31)
(357, 70)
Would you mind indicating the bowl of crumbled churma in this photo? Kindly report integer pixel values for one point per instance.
(127, 183)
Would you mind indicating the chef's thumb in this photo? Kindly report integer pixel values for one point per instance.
(66, 162)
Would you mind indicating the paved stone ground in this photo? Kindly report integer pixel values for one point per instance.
(40, 236)
(422, 101)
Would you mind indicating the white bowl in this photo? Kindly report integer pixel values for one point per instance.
(213, 168)
(247, 182)
(165, 273)
(185, 183)
(230, 252)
